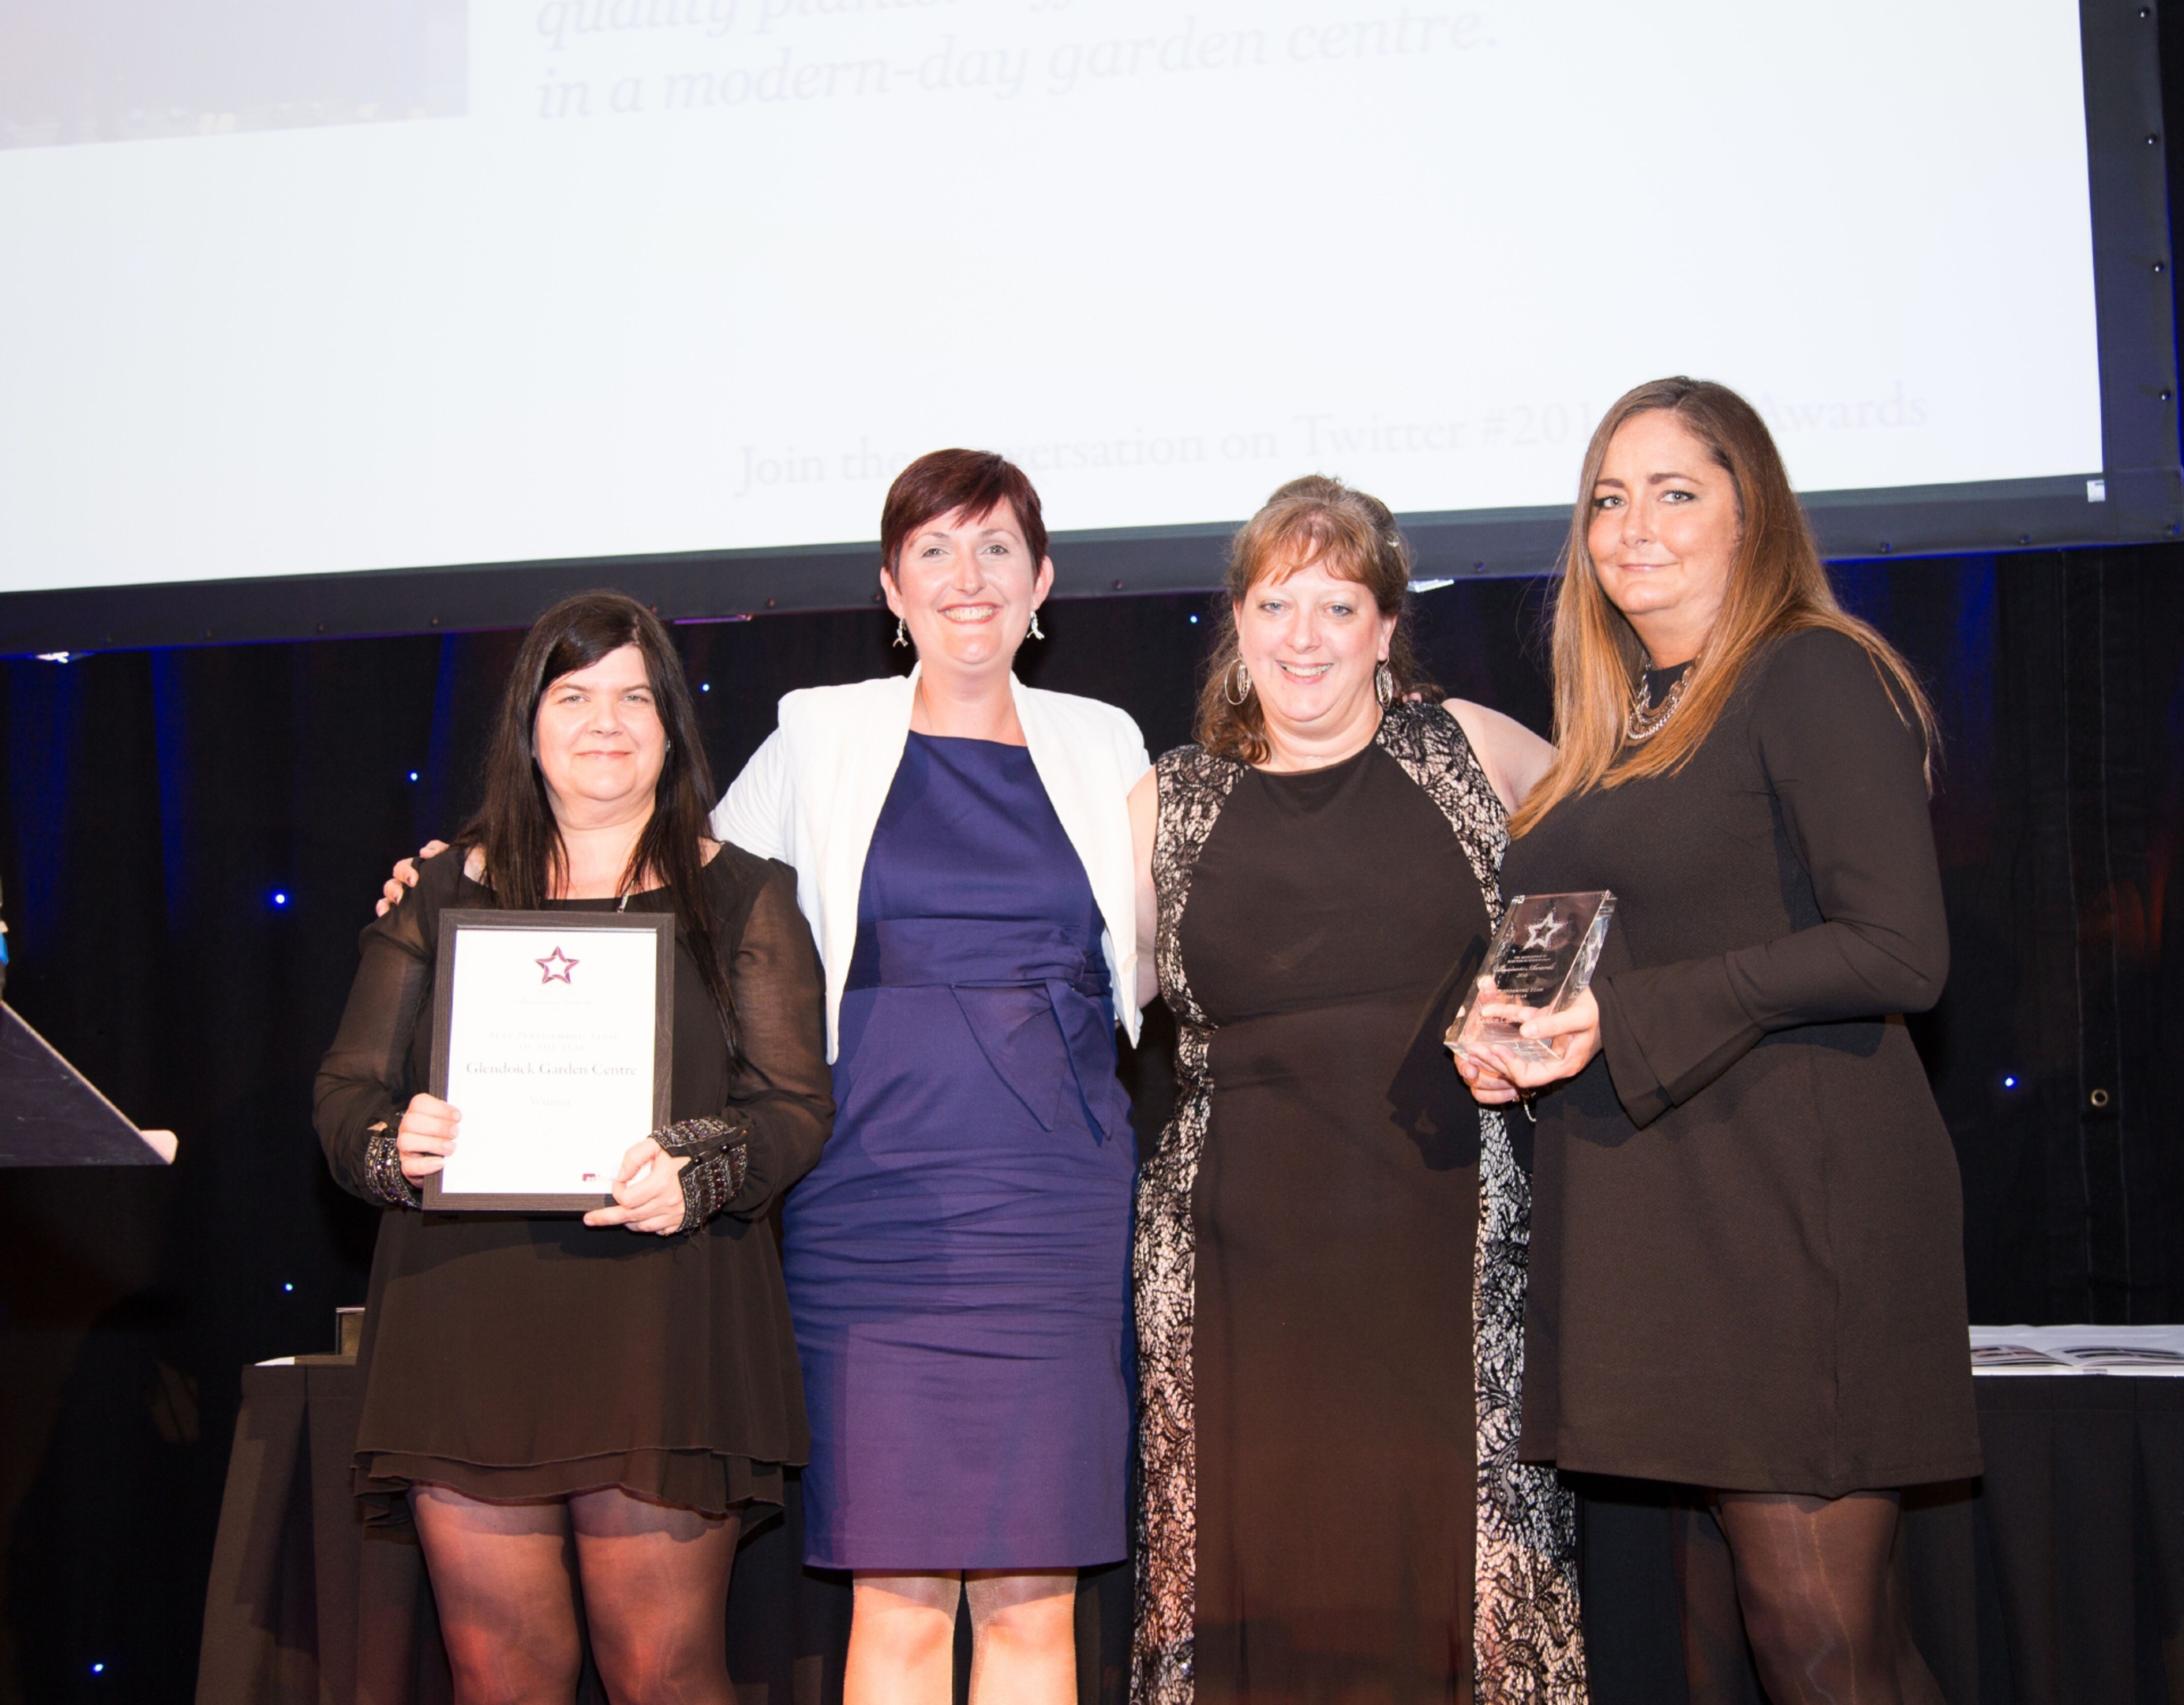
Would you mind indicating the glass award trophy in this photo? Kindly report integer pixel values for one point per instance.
(1541, 957)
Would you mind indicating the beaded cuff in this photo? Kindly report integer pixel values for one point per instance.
(719, 1152)
(699, 1138)
(382, 1170)
(710, 1185)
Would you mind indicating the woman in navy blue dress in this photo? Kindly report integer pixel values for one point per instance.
(958, 1262)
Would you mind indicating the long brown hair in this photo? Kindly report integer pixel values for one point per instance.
(525, 859)
(1314, 519)
(1777, 586)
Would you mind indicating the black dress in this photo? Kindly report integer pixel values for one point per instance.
(1327, 1482)
(526, 1357)
(1747, 1266)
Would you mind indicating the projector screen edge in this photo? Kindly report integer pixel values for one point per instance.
(2137, 506)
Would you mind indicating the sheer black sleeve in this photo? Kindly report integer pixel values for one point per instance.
(363, 1081)
(780, 1086)
(1845, 764)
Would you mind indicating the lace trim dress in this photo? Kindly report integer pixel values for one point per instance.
(1526, 1642)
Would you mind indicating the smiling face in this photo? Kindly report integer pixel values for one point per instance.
(1663, 534)
(598, 738)
(965, 587)
(1311, 641)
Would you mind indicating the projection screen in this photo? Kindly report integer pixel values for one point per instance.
(369, 314)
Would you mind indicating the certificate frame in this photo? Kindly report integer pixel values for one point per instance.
(457, 920)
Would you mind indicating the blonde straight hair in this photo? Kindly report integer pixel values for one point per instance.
(1777, 586)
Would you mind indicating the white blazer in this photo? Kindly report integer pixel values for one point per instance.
(811, 796)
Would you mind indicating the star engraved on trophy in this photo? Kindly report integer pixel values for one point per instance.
(1540, 959)
(556, 966)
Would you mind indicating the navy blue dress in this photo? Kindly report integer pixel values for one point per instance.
(958, 1262)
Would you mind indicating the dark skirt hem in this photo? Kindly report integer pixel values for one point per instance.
(713, 1483)
(1760, 1477)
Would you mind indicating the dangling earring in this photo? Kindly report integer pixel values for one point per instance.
(901, 633)
(1035, 633)
(1384, 683)
(1236, 684)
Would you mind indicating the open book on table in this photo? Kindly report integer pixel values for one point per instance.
(2135, 1350)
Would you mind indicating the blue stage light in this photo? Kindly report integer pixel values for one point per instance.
(280, 896)
(704, 686)
(413, 775)
(2009, 1083)
(289, 1286)
(1194, 622)
(98, 1669)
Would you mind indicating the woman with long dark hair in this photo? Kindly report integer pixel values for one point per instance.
(1747, 1274)
(553, 1401)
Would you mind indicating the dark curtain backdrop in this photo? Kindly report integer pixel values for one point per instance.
(156, 803)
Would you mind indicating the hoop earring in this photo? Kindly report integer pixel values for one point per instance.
(1384, 683)
(901, 633)
(1236, 683)
(1035, 633)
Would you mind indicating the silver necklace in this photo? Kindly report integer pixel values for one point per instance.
(1643, 721)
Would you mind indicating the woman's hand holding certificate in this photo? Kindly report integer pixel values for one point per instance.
(425, 1137)
(648, 1186)
(647, 1191)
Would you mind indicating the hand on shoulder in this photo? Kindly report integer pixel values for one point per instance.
(405, 876)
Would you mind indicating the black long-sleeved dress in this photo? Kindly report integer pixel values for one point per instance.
(1747, 1246)
(533, 1357)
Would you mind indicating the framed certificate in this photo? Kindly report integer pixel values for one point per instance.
(553, 1039)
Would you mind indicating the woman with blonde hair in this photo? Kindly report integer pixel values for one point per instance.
(1330, 1504)
(1747, 1263)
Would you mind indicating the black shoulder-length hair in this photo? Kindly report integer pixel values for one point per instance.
(515, 828)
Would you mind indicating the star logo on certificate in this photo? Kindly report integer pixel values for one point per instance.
(1541, 934)
(556, 966)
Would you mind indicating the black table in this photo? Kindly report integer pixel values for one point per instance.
(306, 1606)
(2057, 1578)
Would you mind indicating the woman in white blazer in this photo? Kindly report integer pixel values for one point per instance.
(958, 1262)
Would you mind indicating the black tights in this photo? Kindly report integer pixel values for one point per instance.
(655, 1590)
(1800, 1590)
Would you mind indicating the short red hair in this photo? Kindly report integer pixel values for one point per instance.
(942, 481)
